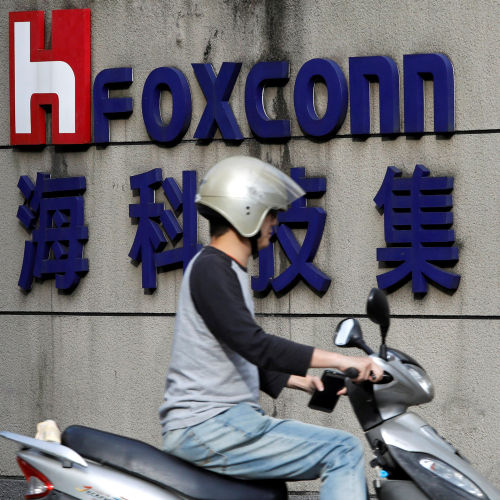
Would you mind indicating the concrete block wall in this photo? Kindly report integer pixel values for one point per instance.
(98, 356)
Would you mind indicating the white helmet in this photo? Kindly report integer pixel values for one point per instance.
(243, 189)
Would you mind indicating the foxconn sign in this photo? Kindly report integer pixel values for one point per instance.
(60, 78)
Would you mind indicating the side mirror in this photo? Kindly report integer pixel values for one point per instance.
(348, 334)
(377, 309)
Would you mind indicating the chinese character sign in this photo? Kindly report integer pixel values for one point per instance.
(417, 221)
(300, 256)
(57, 245)
(154, 222)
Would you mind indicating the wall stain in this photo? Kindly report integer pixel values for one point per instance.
(208, 48)
(59, 165)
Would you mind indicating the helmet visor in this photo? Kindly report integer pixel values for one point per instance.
(275, 185)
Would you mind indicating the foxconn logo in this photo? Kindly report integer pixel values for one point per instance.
(58, 77)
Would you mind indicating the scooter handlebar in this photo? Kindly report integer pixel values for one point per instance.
(352, 372)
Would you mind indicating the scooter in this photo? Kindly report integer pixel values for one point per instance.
(414, 461)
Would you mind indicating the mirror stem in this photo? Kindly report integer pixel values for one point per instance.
(383, 346)
(362, 345)
(383, 351)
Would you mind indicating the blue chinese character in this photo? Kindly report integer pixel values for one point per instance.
(57, 245)
(417, 218)
(301, 257)
(154, 221)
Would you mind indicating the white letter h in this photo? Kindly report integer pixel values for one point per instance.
(47, 77)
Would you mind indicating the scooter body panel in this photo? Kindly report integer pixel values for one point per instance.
(410, 433)
(95, 481)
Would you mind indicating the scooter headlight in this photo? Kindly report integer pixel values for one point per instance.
(451, 475)
(422, 378)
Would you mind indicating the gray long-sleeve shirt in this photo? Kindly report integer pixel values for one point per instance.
(220, 356)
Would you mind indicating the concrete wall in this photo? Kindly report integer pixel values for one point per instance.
(98, 356)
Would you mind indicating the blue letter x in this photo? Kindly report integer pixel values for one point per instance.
(217, 90)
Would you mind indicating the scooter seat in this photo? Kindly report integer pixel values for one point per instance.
(153, 465)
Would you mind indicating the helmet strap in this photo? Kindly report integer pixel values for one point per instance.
(253, 242)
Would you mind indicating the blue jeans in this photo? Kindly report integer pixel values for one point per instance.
(245, 443)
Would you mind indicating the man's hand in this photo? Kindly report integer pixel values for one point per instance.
(366, 366)
(368, 369)
(308, 383)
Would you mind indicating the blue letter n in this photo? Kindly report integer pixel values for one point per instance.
(436, 67)
(362, 71)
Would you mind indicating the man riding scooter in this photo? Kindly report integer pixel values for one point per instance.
(221, 357)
